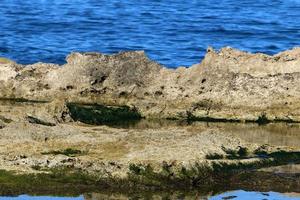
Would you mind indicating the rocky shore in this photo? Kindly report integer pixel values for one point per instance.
(228, 85)
(58, 121)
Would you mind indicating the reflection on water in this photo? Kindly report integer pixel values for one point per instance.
(239, 194)
(277, 134)
(283, 169)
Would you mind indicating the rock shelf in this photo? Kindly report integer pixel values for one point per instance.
(54, 118)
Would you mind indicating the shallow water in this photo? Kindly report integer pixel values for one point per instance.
(171, 32)
(239, 194)
(277, 134)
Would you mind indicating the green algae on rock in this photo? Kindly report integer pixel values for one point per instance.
(68, 152)
(171, 157)
(205, 177)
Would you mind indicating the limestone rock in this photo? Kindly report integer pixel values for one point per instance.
(226, 85)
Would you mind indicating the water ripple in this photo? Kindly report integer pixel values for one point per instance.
(171, 32)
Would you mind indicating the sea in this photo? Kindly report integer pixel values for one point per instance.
(171, 32)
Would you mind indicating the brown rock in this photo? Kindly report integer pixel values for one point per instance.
(226, 85)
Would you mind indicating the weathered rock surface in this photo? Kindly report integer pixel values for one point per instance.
(228, 85)
(39, 104)
(25, 145)
(192, 156)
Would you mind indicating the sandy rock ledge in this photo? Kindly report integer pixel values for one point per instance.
(53, 120)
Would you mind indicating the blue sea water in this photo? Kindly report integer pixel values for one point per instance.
(172, 32)
(236, 195)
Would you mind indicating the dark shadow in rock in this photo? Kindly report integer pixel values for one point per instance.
(103, 115)
(35, 120)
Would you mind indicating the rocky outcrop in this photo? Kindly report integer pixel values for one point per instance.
(227, 85)
(39, 102)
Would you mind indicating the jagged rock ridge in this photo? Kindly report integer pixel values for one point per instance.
(226, 85)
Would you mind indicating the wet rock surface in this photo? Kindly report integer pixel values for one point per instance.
(207, 157)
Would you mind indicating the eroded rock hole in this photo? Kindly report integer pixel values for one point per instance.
(102, 115)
